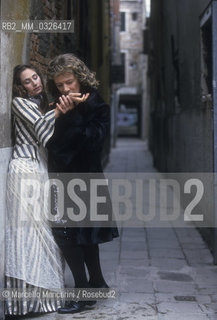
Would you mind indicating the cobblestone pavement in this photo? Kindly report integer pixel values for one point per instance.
(159, 273)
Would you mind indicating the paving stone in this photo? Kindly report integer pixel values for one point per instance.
(183, 316)
(130, 271)
(109, 265)
(164, 243)
(134, 254)
(213, 298)
(170, 297)
(161, 233)
(139, 297)
(168, 264)
(131, 232)
(194, 246)
(165, 253)
(133, 245)
(206, 283)
(208, 291)
(212, 316)
(203, 299)
(135, 285)
(178, 307)
(177, 288)
(135, 262)
(175, 276)
(135, 238)
(209, 307)
(189, 233)
(110, 255)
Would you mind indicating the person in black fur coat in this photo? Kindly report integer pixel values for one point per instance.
(75, 148)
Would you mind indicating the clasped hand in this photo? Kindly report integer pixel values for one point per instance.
(70, 101)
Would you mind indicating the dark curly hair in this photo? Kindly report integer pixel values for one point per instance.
(70, 63)
(18, 89)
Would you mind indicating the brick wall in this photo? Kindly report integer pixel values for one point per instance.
(44, 46)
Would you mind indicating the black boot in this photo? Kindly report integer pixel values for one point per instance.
(102, 285)
(74, 307)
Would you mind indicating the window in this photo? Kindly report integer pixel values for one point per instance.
(123, 63)
(123, 21)
(123, 58)
(134, 16)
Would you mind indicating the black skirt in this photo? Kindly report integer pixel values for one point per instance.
(85, 236)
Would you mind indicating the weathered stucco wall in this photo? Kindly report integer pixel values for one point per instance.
(181, 126)
(13, 51)
(181, 123)
(131, 42)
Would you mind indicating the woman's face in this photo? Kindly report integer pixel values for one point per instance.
(31, 82)
(67, 83)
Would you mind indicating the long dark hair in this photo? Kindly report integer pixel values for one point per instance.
(68, 62)
(18, 89)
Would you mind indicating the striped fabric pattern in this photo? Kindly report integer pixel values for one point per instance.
(32, 257)
(39, 302)
(31, 128)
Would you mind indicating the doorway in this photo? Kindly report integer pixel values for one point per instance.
(129, 116)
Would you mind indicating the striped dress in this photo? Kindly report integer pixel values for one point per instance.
(33, 260)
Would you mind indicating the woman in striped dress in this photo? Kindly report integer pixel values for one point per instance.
(33, 260)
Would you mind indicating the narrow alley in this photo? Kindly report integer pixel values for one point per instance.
(158, 273)
(154, 63)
